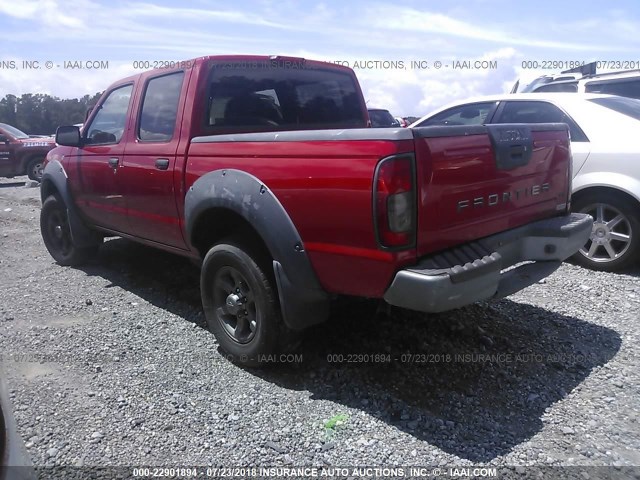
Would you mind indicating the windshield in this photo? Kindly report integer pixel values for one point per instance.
(13, 131)
(624, 105)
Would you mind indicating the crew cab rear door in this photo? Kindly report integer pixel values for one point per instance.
(149, 172)
(474, 181)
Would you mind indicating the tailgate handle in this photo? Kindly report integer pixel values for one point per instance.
(517, 151)
(512, 145)
(162, 163)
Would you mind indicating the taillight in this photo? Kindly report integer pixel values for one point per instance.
(394, 201)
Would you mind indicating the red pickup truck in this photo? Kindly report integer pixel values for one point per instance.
(20, 153)
(264, 169)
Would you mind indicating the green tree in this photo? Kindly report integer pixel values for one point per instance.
(41, 113)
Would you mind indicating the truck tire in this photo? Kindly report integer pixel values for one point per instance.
(241, 305)
(56, 234)
(34, 168)
(614, 243)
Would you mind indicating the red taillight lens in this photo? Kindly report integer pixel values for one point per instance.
(394, 201)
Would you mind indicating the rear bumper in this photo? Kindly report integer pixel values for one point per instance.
(479, 270)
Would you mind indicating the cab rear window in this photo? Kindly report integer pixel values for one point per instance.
(249, 96)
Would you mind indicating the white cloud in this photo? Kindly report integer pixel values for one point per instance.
(142, 10)
(47, 12)
(416, 92)
(615, 24)
(328, 31)
(403, 19)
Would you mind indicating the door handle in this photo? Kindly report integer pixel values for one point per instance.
(113, 162)
(162, 163)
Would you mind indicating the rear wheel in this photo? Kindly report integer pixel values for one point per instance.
(56, 234)
(35, 168)
(241, 305)
(615, 237)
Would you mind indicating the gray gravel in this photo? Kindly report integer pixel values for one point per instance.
(111, 364)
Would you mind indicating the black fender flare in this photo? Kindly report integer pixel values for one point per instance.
(303, 301)
(54, 175)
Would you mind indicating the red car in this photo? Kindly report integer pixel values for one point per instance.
(263, 169)
(21, 154)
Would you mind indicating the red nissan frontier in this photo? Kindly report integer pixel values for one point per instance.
(265, 170)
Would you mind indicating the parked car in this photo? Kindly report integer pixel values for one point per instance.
(20, 154)
(382, 118)
(606, 160)
(584, 79)
(269, 176)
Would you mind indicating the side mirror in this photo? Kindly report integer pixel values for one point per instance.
(4, 139)
(69, 136)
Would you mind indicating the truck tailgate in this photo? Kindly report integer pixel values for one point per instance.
(475, 181)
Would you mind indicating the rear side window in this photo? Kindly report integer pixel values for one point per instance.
(539, 112)
(558, 87)
(624, 88)
(248, 96)
(108, 124)
(471, 114)
(160, 108)
(626, 106)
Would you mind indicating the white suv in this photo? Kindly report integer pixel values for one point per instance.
(606, 160)
(585, 80)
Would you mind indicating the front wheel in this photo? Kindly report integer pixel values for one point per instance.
(614, 243)
(241, 305)
(56, 234)
(35, 168)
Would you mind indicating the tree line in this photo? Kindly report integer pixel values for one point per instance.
(40, 114)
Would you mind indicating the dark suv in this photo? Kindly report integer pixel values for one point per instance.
(382, 118)
(584, 79)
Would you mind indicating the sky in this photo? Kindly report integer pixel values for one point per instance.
(482, 46)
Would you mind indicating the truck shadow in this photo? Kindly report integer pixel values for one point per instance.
(474, 382)
(164, 280)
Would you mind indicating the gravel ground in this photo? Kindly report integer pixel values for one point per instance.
(111, 364)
